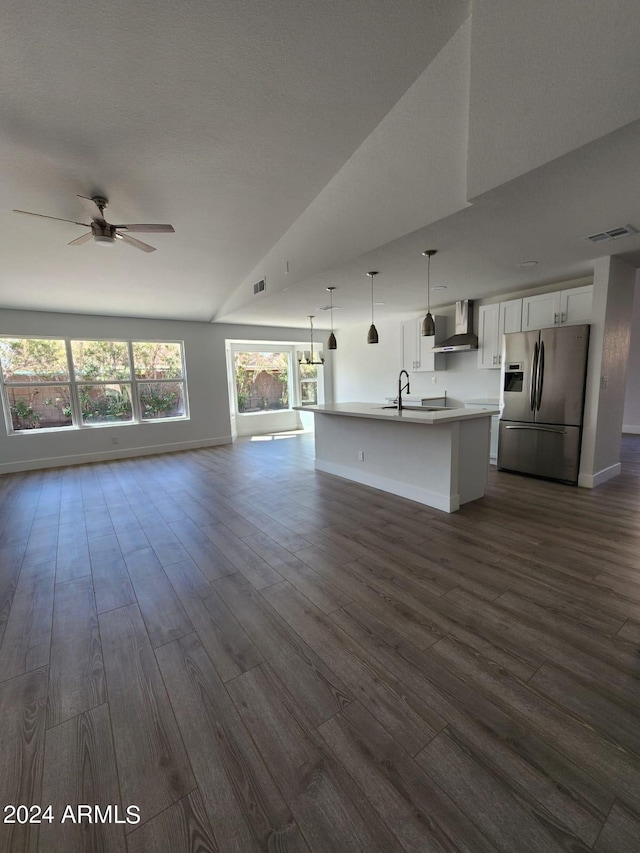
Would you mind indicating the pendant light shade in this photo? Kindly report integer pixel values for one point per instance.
(428, 324)
(372, 337)
(331, 343)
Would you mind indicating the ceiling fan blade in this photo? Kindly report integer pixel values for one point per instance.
(80, 240)
(44, 216)
(147, 228)
(138, 244)
(91, 207)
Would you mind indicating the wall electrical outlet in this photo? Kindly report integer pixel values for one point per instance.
(434, 379)
(361, 456)
(114, 439)
(604, 380)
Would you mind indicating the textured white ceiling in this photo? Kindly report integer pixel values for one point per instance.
(332, 135)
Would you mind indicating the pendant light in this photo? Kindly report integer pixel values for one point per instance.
(331, 343)
(310, 358)
(372, 337)
(428, 325)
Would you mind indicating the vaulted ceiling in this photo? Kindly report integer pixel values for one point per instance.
(308, 143)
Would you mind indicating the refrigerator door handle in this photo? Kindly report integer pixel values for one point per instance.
(534, 371)
(559, 430)
(540, 379)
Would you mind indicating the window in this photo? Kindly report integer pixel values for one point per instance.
(54, 384)
(308, 384)
(262, 380)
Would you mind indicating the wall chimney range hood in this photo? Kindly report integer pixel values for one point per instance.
(464, 338)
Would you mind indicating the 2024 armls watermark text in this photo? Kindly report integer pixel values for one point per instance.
(83, 813)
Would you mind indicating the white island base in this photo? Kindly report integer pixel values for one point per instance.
(438, 459)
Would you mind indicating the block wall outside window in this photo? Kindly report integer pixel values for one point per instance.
(61, 383)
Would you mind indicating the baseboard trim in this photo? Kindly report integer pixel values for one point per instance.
(446, 503)
(592, 481)
(109, 455)
(630, 429)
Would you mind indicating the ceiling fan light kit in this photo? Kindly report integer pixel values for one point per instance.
(103, 233)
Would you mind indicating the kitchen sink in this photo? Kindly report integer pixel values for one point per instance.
(417, 408)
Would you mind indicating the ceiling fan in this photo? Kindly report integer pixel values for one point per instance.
(102, 231)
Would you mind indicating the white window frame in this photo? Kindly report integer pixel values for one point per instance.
(72, 382)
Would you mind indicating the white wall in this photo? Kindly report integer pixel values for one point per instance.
(369, 372)
(546, 78)
(209, 421)
(631, 418)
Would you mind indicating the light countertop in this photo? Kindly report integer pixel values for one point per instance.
(377, 411)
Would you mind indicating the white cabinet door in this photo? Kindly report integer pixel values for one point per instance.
(575, 305)
(488, 324)
(493, 322)
(416, 349)
(409, 344)
(510, 317)
(561, 308)
(540, 311)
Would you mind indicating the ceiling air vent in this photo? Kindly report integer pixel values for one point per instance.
(259, 286)
(612, 234)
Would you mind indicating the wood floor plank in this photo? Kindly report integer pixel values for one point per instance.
(620, 833)
(420, 815)
(27, 637)
(317, 793)
(256, 570)
(209, 559)
(444, 617)
(245, 809)
(602, 759)
(317, 589)
(406, 717)
(10, 564)
(589, 705)
(226, 642)
(166, 545)
(111, 581)
(153, 768)
(80, 768)
(161, 610)
(630, 631)
(586, 665)
(72, 554)
(41, 545)
(23, 710)
(76, 672)
(517, 754)
(318, 689)
(498, 813)
(406, 619)
(183, 826)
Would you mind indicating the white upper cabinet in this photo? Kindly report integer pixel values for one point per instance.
(416, 349)
(560, 308)
(493, 322)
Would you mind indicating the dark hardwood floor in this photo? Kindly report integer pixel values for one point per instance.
(259, 657)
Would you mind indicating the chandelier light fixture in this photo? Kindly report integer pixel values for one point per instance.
(372, 337)
(331, 343)
(428, 325)
(309, 357)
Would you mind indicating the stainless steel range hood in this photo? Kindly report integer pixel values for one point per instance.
(464, 338)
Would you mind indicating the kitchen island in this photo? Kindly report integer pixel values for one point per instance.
(437, 457)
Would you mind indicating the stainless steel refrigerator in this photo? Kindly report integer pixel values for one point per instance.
(543, 385)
